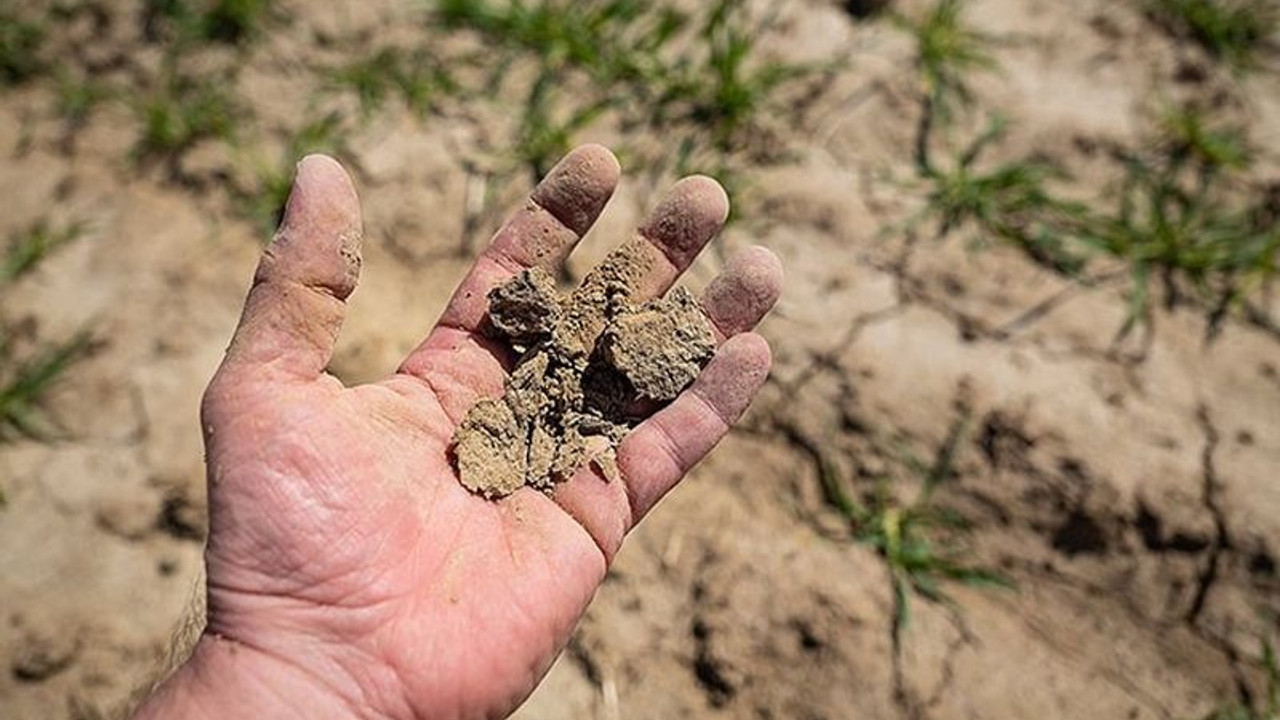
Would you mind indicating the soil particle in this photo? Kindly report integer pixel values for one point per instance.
(593, 365)
(526, 309)
(489, 449)
(639, 343)
(602, 292)
(44, 655)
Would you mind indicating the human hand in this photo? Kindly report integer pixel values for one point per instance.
(349, 573)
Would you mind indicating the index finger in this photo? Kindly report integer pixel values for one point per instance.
(560, 210)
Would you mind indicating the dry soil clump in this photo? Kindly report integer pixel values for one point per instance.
(592, 364)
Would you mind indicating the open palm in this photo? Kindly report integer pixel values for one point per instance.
(343, 554)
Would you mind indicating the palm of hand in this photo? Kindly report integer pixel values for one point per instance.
(341, 542)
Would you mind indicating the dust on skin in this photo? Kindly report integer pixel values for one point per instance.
(592, 364)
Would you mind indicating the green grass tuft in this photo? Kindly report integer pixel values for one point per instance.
(24, 383)
(1011, 202)
(613, 40)
(234, 21)
(1190, 134)
(76, 98)
(20, 42)
(920, 542)
(231, 22)
(1234, 31)
(546, 132)
(415, 77)
(614, 46)
(699, 80)
(180, 113)
(1184, 218)
(948, 53)
(28, 248)
(727, 89)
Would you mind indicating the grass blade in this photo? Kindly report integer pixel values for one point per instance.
(22, 394)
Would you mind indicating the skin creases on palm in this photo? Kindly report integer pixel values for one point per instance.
(342, 546)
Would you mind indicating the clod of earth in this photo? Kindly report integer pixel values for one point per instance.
(592, 365)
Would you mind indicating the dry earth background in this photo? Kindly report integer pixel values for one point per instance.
(1128, 490)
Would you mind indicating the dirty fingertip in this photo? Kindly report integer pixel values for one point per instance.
(735, 374)
(322, 170)
(319, 238)
(750, 353)
(738, 298)
(706, 193)
(690, 214)
(576, 190)
(759, 268)
(322, 193)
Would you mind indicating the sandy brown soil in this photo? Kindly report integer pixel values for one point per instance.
(592, 365)
(1134, 501)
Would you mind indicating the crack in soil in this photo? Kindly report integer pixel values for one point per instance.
(1221, 542)
(829, 359)
(1040, 311)
(902, 698)
(905, 700)
(964, 639)
(1219, 546)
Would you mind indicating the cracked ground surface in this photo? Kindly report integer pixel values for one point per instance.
(1129, 491)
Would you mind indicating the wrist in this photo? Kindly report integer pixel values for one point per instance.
(224, 678)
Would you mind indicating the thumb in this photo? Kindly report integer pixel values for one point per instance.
(298, 299)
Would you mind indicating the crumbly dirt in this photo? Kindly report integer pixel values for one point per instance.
(660, 346)
(1133, 501)
(592, 365)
